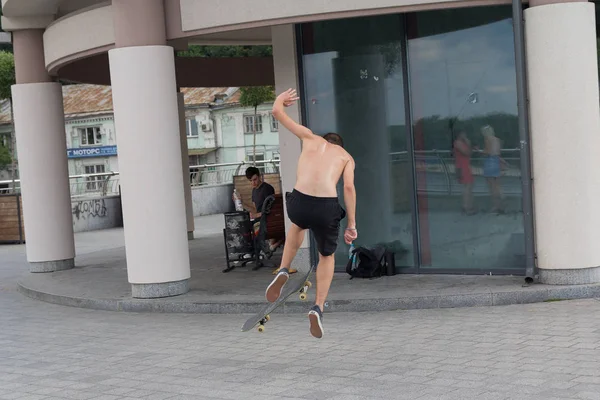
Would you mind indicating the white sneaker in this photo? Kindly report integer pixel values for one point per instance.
(315, 316)
(274, 289)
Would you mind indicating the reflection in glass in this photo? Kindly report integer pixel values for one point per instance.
(354, 87)
(464, 138)
(465, 126)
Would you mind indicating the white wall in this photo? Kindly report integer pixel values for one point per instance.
(96, 213)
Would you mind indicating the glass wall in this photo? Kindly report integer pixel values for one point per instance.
(426, 103)
(354, 85)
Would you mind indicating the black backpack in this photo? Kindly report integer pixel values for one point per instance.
(370, 263)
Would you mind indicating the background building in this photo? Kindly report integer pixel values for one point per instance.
(218, 130)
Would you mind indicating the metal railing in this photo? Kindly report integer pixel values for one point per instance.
(438, 167)
(214, 174)
(107, 183)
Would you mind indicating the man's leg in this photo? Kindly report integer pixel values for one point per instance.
(324, 277)
(294, 240)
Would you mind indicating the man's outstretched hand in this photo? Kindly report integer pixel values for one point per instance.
(350, 235)
(287, 98)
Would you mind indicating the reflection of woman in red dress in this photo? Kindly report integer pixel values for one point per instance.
(462, 156)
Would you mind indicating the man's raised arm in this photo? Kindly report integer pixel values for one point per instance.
(287, 99)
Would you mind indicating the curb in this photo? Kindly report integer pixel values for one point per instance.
(533, 294)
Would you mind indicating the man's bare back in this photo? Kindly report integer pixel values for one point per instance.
(321, 163)
(320, 167)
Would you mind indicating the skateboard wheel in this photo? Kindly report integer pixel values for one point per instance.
(308, 284)
(302, 296)
(261, 328)
(268, 318)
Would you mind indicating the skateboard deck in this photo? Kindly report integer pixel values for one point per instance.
(297, 283)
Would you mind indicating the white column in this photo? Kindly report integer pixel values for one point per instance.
(147, 119)
(286, 76)
(185, 165)
(41, 146)
(565, 135)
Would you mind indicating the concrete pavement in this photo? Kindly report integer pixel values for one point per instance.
(538, 351)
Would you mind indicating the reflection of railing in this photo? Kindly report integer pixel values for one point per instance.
(436, 166)
(439, 165)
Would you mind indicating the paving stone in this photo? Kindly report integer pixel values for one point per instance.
(527, 351)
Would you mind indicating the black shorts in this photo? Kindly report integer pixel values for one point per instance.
(322, 215)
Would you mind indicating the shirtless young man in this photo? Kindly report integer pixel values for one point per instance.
(313, 204)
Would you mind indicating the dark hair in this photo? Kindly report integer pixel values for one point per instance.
(251, 171)
(334, 138)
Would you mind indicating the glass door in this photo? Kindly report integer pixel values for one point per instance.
(426, 104)
(466, 140)
(354, 85)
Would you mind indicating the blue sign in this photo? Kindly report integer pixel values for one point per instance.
(85, 152)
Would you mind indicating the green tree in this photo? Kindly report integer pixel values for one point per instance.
(5, 158)
(227, 51)
(254, 96)
(7, 79)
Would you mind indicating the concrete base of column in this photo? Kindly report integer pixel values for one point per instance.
(51, 266)
(191, 235)
(157, 290)
(570, 276)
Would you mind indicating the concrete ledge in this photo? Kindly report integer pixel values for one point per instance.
(159, 290)
(581, 276)
(534, 294)
(51, 266)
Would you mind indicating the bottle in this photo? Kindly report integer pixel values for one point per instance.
(237, 201)
(351, 255)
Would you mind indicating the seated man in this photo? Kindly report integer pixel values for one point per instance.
(260, 191)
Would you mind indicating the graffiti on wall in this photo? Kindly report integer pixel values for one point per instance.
(90, 209)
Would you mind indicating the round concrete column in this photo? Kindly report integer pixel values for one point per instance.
(185, 165)
(42, 152)
(565, 124)
(142, 71)
(147, 119)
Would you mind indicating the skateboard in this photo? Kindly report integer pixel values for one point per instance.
(297, 283)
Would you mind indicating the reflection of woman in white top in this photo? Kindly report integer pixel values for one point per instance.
(491, 165)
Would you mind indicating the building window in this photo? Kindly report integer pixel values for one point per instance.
(276, 156)
(94, 183)
(249, 124)
(191, 127)
(90, 136)
(259, 157)
(274, 124)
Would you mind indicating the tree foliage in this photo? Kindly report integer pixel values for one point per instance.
(5, 157)
(227, 51)
(7, 74)
(254, 96)
(7, 79)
